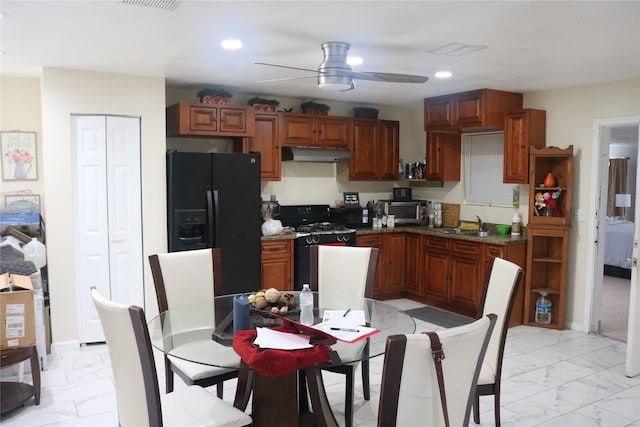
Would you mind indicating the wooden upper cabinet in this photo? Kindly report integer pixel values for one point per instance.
(388, 149)
(443, 156)
(375, 150)
(303, 130)
(187, 119)
(478, 110)
(363, 164)
(524, 128)
(266, 141)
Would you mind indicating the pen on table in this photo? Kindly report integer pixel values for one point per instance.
(346, 312)
(345, 329)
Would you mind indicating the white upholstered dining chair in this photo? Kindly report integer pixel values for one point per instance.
(410, 393)
(342, 276)
(182, 279)
(499, 293)
(136, 382)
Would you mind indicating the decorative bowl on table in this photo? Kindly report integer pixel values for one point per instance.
(503, 228)
(273, 301)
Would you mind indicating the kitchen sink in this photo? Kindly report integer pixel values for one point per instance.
(466, 232)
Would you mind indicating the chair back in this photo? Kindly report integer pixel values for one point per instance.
(187, 277)
(498, 296)
(132, 362)
(409, 393)
(343, 275)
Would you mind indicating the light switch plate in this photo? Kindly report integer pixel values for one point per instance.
(579, 214)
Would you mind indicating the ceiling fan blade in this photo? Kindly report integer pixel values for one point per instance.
(285, 79)
(285, 66)
(388, 77)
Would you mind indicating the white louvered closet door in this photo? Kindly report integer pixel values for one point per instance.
(107, 216)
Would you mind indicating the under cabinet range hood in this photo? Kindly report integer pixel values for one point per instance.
(321, 155)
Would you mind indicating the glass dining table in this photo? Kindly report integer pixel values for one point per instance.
(203, 333)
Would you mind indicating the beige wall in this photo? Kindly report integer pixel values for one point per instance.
(66, 92)
(570, 116)
(20, 110)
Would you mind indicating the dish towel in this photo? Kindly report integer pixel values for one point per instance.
(274, 362)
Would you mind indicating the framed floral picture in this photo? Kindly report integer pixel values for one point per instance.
(18, 156)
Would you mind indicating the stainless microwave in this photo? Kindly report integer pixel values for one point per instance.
(408, 212)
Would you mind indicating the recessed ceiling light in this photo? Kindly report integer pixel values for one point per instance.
(443, 74)
(231, 44)
(354, 60)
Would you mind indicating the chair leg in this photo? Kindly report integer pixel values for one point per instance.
(365, 380)
(220, 389)
(476, 409)
(348, 399)
(168, 376)
(496, 403)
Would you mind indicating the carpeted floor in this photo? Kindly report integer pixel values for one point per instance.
(439, 317)
(614, 309)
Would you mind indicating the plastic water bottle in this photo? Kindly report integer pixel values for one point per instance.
(543, 309)
(306, 305)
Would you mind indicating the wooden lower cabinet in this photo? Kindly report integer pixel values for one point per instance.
(451, 273)
(395, 257)
(277, 264)
(375, 241)
(443, 272)
(413, 246)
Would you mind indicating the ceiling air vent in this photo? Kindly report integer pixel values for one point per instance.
(456, 49)
(158, 4)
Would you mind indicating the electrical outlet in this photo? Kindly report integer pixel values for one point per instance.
(579, 214)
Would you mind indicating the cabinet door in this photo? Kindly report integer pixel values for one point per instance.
(332, 132)
(298, 130)
(203, 119)
(388, 149)
(465, 270)
(443, 156)
(437, 113)
(233, 120)
(375, 241)
(363, 165)
(266, 142)
(277, 264)
(412, 266)
(523, 129)
(436, 268)
(467, 109)
(396, 259)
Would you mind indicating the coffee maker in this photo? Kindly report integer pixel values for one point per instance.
(270, 209)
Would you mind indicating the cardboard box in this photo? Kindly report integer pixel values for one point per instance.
(17, 320)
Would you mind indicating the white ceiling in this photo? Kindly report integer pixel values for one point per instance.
(531, 45)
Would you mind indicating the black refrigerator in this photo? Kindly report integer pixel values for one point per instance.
(213, 201)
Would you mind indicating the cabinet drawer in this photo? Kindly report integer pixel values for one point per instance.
(437, 243)
(373, 241)
(470, 248)
(275, 248)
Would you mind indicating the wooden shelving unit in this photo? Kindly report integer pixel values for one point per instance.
(548, 236)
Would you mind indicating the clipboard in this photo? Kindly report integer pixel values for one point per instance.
(316, 336)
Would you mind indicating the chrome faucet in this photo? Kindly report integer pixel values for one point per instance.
(480, 224)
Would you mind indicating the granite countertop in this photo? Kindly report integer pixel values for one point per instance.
(493, 237)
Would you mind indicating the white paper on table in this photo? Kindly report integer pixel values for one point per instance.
(354, 317)
(345, 332)
(268, 338)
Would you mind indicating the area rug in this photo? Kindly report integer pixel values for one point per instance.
(439, 317)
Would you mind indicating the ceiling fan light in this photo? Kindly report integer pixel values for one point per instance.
(335, 83)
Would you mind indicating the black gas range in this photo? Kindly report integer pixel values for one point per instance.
(313, 227)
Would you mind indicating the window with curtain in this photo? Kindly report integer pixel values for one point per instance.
(617, 184)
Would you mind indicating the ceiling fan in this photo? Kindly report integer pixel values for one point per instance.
(334, 73)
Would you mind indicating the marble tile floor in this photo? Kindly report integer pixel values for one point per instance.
(550, 378)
